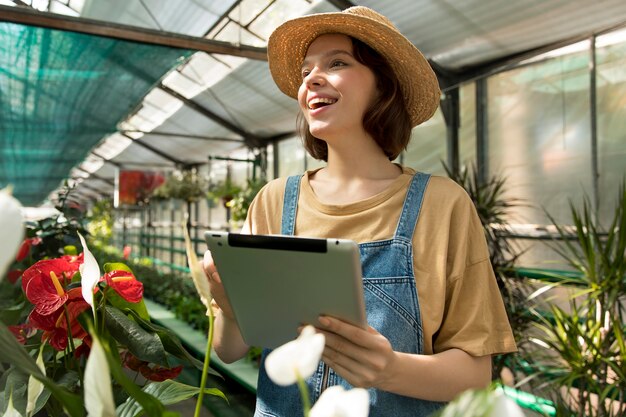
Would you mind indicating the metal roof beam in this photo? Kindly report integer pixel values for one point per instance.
(128, 33)
(184, 135)
(91, 174)
(155, 150)
(341, 4)
(250, 139)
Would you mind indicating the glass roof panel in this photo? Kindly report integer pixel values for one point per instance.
(247, 10)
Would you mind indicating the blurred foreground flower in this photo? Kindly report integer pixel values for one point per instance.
(12, 229)
(295, 359)
(489, 402)
(337, 402)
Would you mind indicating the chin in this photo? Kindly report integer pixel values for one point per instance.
(320, 130)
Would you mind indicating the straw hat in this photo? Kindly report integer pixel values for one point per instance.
(288, 45)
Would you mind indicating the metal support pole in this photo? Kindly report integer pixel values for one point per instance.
(482, 131)
(593, 114)
(451, 114)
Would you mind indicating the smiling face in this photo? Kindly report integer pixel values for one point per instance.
(336, 88)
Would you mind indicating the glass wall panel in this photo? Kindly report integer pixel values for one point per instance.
(312, 163)
(428, 146)
(290, 157)
(539, 135)
(611, 99)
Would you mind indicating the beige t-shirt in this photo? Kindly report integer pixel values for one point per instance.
(460, 303)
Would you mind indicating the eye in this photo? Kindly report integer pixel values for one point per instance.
(337, 63)
(305, 72)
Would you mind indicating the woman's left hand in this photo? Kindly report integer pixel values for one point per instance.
(363, 357)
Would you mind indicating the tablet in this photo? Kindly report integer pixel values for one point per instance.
(277, 283)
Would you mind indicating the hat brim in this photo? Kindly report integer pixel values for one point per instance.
(288, 45)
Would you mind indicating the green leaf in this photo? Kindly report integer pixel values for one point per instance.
(168, 392)
(144, 345)
(118, 301)
(153, 407)
(116, 266)
(171, 342)
(15, 354)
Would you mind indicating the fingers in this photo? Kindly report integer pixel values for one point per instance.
(209, 268)
(355, 334)
(361, 356)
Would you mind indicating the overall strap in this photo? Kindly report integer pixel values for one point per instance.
(290, 205)
(412, 206)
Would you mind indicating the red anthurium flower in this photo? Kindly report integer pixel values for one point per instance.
(14, 275)
(22, 332)
(159, 373)
(132, 362)
(84, 348)
(55, 324)
(44, 282)
(64, 268)
(25, 248)
(155, 373)
(126, 285)
(74, 261)
(46, 292)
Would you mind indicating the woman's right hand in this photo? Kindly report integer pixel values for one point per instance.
(215, 282)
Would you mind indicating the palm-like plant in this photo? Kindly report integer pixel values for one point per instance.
(584, 363)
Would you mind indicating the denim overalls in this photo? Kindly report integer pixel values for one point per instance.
(392, 309)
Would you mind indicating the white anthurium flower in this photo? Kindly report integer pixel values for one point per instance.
(337, 402)
(11, 225)
(296, 359)
(197, 274)
(89, 273)
(504, 406)
(98, 392)
(35, 387)
(11, 411)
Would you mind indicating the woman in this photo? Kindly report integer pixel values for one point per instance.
(434, 309)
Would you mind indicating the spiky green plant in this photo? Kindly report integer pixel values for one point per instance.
(582, 357)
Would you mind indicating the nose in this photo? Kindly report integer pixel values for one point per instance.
(314, 78)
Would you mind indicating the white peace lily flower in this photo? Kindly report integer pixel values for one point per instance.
(504, 406)
(197, 274)
(98, 392)
(35, 387)
(298, 358)
(337, 402)
(12, 228)
(11, 411)
(89, 274)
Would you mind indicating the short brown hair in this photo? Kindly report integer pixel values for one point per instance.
(387, 119)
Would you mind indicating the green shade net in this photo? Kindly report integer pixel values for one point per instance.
(60, 94)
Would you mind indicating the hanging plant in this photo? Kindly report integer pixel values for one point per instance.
(184, 185)
(240, 204)
(223, 191)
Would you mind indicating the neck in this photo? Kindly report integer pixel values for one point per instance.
(358, 157)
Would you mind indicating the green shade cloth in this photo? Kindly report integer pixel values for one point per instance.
(60, 94)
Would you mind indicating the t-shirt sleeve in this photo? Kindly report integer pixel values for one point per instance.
(475, 318)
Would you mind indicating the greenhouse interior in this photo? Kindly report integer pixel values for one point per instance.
(130, 128)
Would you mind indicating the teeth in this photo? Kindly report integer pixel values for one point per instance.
(314, 103)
